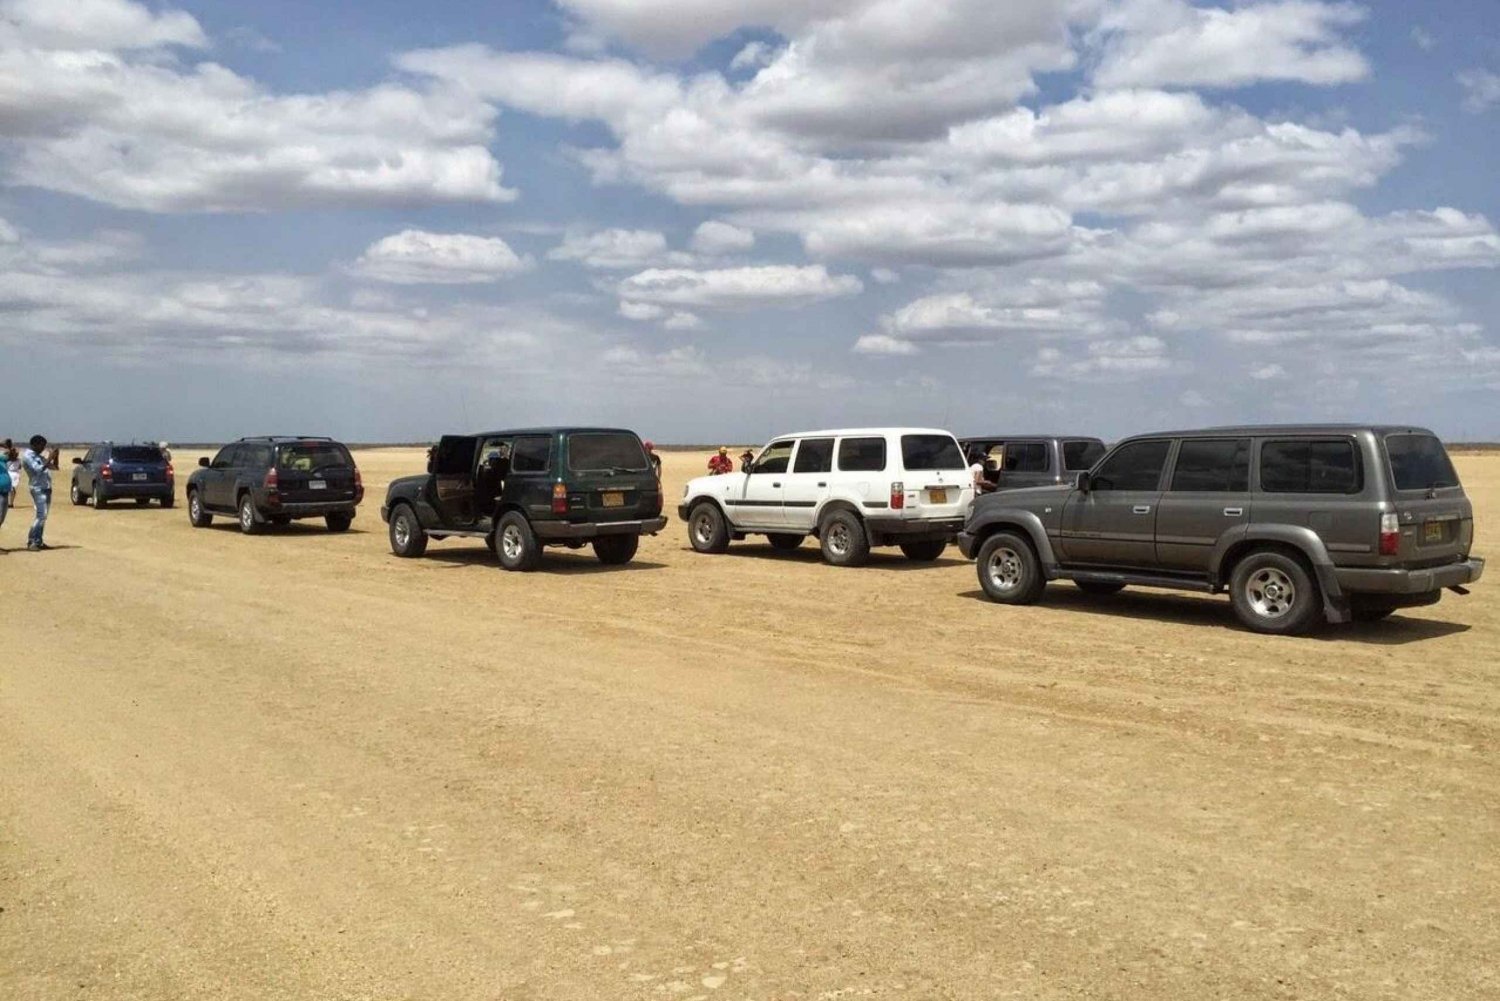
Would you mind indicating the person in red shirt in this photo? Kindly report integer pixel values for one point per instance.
(720, 463)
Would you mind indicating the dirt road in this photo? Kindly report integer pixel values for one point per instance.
(293, 766)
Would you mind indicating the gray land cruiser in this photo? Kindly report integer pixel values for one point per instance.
(1012, 461)
(1300, 524)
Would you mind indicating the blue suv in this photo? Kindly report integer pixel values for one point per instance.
(122, 472)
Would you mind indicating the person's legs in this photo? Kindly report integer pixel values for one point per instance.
(4, 506)
(41, 500)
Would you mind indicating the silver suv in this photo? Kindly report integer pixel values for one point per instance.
(1301, 524)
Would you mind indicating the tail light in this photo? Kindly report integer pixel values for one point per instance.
(272, 482)
(1390, 534)
(171, 473)
(559, 499)
(359, 485)
(106, 472)
(898, 496)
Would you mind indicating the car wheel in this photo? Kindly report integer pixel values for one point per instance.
(785, 543)
(248, 524)
(168, 501)
(338, 521)
(198, 515)
(1274, 593)
(616, 549)
(1009, 571)
(844, 541)
(408, 540)
(1098, 587)
(74, 495)
(97, 498)
(707, 531)
(516, 543)
(923, 552)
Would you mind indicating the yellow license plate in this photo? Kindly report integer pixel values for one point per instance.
(1432, 531)
(613, 499)
(939, 496)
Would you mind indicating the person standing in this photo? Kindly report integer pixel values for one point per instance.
(655, 459)
(5, 492)
(166, 453)
(37, 463)
(720, 463)
(12, 460)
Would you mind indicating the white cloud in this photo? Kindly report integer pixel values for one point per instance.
(715, 237)
(1423, 39)
(1171, 42)
(414, 257)
(752, 56)
(884, 276)
(1481, 90)
(883, 344)
(1263, 373)
(737, 288)
(612, 249)
(641, 311)
(1113, 359)
(107, 25)
(682, 320)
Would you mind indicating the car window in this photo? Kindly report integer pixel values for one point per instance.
(255, 457)
(1080, 455)
(137, 453)
(307, 456)
(815, 455)
(226, 457)
(862, 455)
(1419, 462)
(930, 451)
(90, 455)
(775, 457)
(1212, 465)
(1026, 457)
(1135, 465)
(531, 454)
(1309, 466)
(454, 456)
(606, 450)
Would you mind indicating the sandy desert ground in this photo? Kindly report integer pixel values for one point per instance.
(294, 766)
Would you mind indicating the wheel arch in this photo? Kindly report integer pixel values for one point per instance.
(828, 509)
(1023, 523)
(1300, 543)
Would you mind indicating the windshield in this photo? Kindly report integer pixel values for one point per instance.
(136, 453)
(1419, 462)
(619, 451)
(1080, 455)
(310, 455)
(930, 451)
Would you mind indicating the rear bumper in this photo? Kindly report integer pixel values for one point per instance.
(1354, 580)
(914, 529)
(549, 531)
(309, 509)
(110, 490)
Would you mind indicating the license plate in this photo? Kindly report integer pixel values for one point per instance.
(939, 496)
(1432, 531)
(612, 499)
(317, 485)
(139, 477)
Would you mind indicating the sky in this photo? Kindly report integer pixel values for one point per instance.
(727, 219)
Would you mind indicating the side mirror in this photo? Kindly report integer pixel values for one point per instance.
(77, 461)
(203, 461)
(1083, 482)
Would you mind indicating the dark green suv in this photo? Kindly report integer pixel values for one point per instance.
(1300, 524)
(521, 490)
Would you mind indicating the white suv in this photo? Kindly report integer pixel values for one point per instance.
(851, 489)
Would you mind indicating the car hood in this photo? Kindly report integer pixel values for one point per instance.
(1028, 498)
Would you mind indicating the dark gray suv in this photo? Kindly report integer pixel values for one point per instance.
(1300, 524)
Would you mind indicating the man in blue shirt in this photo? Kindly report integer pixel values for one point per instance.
(35, 460)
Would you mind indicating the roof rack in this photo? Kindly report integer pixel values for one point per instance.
(286, 437)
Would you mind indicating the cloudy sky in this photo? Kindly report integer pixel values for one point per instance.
(721, 219)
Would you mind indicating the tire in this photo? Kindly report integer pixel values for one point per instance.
(198, 515)
(142, 501)
(516, 543)
(707, 532)
(338, 522)
(75, 496)
(844, 541)
(785, 543)
(1098, 587)
(923, 552)
(408, 540)
(616, 549)
(1274, 593)
(1009, 571)
(168, 502)
(1373, 614)
(247, 521)
(97, 498)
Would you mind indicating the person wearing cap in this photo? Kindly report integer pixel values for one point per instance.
(166, 453)
(720, 463)
(35, 459)
(655, 459)
(746, 458)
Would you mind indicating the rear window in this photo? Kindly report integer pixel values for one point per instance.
(1080, 455)
(862, 455)
(1309, 467)
(1419, 462)
(930, 451)
(140, 453)
(1026, 457)
(310, 455)
(614, 451)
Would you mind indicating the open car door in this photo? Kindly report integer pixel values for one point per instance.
(453, 475)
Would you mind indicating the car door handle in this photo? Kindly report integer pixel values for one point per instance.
(1233, 512)
(775, 484)
(823, 483)
(1141, 509)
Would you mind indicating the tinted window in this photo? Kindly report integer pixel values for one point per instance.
(530, 455)
(862, 455)
(1419, 462)
(931, 451)
(775, 457)
(1079, 455)
(814, 456)
(257, 457)
(1309, 467)
(1133, 466)
(226, 457)
(1026, 457)
(1218, 465)
(306, 456)
(137, 453)
(616, 450)
(453, 456)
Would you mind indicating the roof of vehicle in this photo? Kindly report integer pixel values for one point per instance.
(554, 429)
(1045, 436)
(276, 438)
(1260, 430)
(867, 432)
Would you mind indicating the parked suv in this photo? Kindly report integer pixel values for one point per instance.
(109, 472)
(1012, 461)
(273, 480)
(851, 489)
(521, 490)
(1300, 524)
